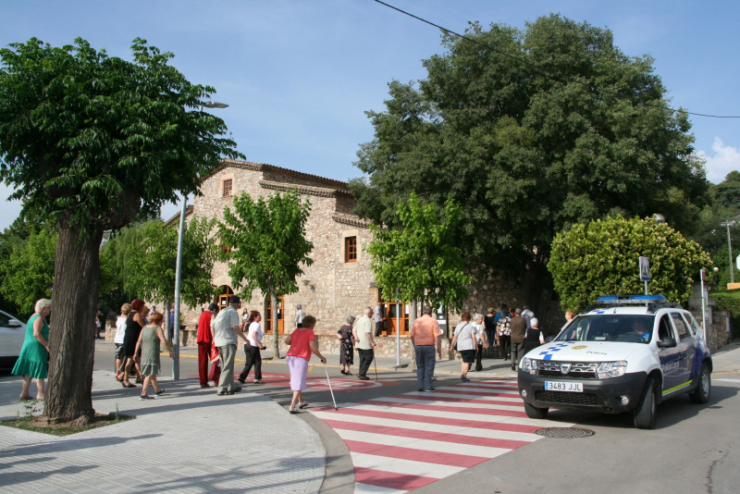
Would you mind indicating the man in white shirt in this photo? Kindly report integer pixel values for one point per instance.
(363, 332)
(299, 315)
(227, 329)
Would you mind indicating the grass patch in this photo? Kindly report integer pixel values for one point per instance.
(39, 423)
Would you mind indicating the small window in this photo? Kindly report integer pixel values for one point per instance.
(228, 187)
(225, 249)
(678, 322)
(350, 249)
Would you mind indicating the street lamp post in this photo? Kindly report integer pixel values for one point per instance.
(178, 270)
(728, 224)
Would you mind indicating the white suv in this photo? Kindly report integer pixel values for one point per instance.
(626, 354)
(12, 334)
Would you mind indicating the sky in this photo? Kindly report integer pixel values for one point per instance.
(299, 75)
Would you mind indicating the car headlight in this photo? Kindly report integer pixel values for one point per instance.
(529, 365)
(611, 369)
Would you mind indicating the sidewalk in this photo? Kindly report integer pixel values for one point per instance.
(187, 441)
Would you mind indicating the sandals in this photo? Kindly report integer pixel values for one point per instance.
(259, 381)
(293, 410)
(127, 384)
(160, 392)
(145, 397)
(224, 393)
(303, 404)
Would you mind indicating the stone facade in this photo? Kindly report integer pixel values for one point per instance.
(330, 289)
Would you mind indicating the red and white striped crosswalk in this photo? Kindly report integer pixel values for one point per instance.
(405, 442)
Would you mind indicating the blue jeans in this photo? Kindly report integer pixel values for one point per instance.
(424, 366)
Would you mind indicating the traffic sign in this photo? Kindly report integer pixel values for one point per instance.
(644, 269)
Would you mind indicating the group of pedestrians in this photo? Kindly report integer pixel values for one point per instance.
(516, 332)
(139, 333)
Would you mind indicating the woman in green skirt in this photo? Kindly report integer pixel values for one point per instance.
(33, 361)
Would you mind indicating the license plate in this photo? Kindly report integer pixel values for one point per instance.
(564, 386)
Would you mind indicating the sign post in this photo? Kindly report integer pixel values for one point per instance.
(644, 265)
(702, 275)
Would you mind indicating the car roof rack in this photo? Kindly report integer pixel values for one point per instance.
(652, 302)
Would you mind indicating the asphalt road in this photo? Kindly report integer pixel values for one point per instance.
(693, 449)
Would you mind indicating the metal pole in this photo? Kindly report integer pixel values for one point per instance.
(178, 281)
(646, 290)
(398, 330)
(703, 307)
(729, 247)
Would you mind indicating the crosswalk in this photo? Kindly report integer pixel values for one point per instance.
(404, 442)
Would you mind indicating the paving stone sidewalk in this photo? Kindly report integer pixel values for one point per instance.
(187, 441)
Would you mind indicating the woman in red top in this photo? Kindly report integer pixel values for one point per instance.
(302, 344)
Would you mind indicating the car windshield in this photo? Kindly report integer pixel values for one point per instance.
(631, 328)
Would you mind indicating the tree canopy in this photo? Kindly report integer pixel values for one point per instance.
(89, 141)
(28, 272)
(267, 245)
(141, 261)
(531, 131)
(601, 258)
(421, 259)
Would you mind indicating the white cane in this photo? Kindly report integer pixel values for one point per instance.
(330, 390)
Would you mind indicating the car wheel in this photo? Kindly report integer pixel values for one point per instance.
(644, 414)
(704, 387)
(535, 413)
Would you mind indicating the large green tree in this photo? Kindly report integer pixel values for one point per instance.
(601, 258)
(422, 258)
(91, 140)
(28, 273)
(531, 131)
(267, 245)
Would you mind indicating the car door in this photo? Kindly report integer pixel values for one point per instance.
(670, 357)
(686, 347)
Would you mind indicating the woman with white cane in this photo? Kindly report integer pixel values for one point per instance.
(302, 343)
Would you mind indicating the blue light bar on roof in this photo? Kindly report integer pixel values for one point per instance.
(630, 298)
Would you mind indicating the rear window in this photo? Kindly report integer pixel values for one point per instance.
(631, 328)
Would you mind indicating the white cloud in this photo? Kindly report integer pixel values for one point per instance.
(725, 160)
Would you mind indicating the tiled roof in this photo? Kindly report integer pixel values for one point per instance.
(263, 167)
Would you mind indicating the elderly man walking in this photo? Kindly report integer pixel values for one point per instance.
(425, 335)
(363, 333)
(227, 329)
(518, 330)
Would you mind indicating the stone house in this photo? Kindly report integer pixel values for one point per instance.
(339, 282)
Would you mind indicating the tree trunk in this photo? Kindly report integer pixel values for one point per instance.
(275, 335)
(72, 339)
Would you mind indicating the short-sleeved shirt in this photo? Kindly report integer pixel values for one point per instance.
(478, 331)
(464, 333)
(255, 334)
(300, 343)
(364, 328)
(223, 327)
(425, 331)
(378, 315)
(120, 330)
(204, 328)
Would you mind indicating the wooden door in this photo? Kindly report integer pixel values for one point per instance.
(280, 315)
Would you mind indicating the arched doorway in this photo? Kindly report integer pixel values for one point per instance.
(280, 315)
(225, 292)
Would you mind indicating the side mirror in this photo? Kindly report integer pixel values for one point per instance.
(667, 343)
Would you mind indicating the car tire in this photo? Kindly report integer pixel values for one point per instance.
(704, 387)
(535, 413)
(644, 414)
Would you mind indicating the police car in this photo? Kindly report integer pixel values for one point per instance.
(625, 354)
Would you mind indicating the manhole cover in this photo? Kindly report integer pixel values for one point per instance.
(564, 432)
